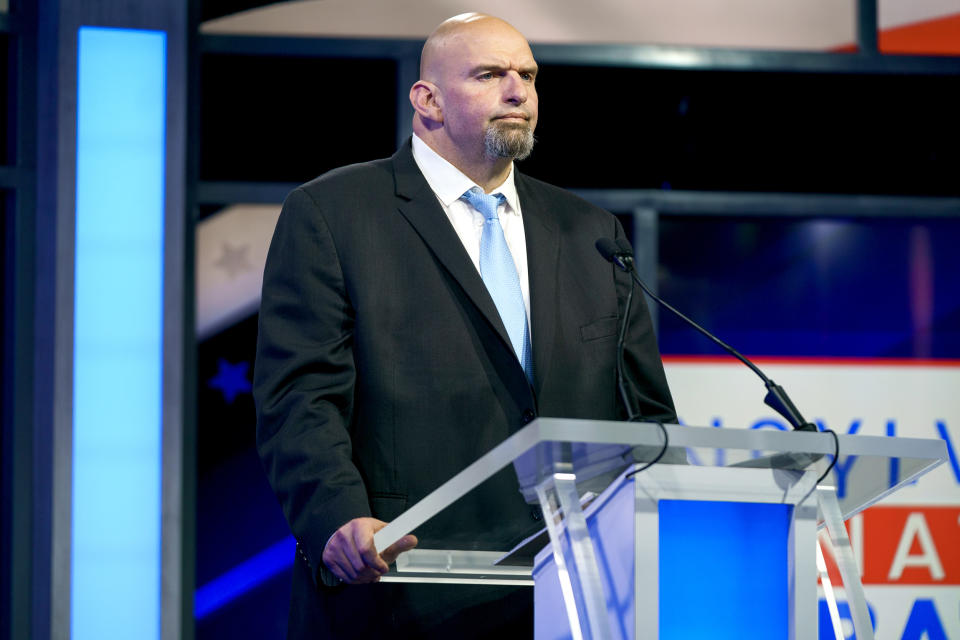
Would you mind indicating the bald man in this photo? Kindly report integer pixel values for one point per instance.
(417, 311)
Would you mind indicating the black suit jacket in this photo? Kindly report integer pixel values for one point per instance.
(383, 368)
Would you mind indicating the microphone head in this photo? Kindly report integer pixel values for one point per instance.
(612, 253)
(607, 248)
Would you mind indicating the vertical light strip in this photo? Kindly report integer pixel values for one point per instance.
(118, 329)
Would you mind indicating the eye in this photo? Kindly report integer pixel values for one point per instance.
(486, 75)
(526, 75)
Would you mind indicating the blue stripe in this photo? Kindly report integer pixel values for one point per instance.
(244, 577)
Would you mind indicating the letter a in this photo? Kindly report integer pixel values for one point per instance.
(916, 527)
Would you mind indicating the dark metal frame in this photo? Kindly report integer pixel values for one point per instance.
(674, 203)
(26, 550)
(188, 452)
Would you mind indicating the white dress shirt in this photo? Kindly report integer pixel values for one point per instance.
(449, 184)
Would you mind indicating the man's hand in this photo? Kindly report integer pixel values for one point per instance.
(351, 556)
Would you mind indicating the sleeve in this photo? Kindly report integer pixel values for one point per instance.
(646, 380)
(304, 381)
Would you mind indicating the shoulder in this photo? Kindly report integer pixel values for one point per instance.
(349, 204)
(565, 210)
(363, 179)
(549, 194)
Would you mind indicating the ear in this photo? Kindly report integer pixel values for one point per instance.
(426, 100)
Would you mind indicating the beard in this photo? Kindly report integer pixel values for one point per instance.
(508, 140)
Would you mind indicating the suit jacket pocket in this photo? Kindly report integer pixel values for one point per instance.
(602, 328)
(387, 506)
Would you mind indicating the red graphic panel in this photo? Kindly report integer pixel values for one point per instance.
(904, 545)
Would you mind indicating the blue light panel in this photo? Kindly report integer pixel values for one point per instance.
(741, 592)
(118, 329)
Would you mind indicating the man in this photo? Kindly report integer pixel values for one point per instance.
(408, 325)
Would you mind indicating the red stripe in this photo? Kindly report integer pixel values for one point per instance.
(815, 361)
(940, 36)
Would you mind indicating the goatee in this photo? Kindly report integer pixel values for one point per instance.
(508, 140)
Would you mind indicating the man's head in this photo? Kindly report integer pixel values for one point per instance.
(476, 101)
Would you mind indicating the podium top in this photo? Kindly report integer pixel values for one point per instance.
(597, 451)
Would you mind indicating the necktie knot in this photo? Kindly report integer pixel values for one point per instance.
(485, 204)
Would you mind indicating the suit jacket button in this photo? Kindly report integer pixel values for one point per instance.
(527, 416)
(536, 513)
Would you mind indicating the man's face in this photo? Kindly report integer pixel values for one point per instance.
(487, 92)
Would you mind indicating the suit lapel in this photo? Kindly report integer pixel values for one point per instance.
(419, 206)
(543, 255)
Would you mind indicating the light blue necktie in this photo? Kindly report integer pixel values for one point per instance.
(499, 273)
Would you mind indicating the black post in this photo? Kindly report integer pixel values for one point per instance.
(867, 26)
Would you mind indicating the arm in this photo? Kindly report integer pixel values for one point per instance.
(304, 390)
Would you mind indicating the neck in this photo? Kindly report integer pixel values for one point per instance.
(488, 175)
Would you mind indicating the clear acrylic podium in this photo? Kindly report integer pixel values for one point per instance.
(719, 543)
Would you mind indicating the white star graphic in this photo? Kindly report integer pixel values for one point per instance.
(233, 260)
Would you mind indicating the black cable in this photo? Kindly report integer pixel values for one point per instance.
(633, 416)
(621, 382)
(663, 450)
(836, 454)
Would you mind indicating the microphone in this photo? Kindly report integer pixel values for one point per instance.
(611, 252)
(620, 254)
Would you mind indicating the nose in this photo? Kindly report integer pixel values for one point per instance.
(515, 89)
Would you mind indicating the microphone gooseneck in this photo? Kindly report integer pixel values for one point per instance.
(620, 254)
(608, 250)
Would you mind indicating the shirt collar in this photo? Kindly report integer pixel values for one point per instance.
(449, 183)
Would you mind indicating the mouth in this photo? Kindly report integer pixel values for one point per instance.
(514, 117)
